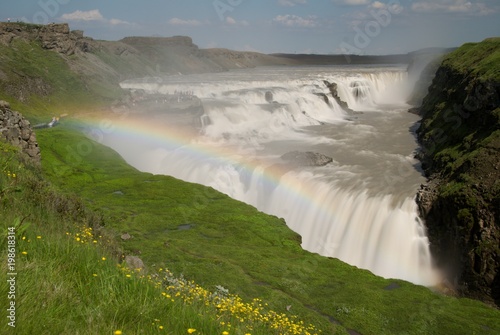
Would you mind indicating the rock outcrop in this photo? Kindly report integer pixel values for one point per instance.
(307, 158)
(16, 130)
(460, 138)
(57, 37)
(332, 87)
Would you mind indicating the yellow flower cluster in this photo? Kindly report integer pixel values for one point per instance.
(231, 308)
(86, 235)
(10, 174)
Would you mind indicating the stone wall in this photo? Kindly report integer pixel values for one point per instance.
(16, 130)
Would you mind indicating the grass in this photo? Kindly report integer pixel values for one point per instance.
(477, 59)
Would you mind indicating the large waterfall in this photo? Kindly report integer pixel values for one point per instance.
(359, 208)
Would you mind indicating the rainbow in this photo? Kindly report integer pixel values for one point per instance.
(319, 229)
(171, 138)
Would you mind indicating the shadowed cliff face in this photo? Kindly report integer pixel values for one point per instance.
(460, 138)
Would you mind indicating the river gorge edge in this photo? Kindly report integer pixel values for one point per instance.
(460, 141)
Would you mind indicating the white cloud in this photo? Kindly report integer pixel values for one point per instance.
(394, 8)
(232, 21)
(378, 5)
(451, 6)
(91, 15)
(180, 22)
(117, 22)
(296, 21)
(351, 2)
(291, 3)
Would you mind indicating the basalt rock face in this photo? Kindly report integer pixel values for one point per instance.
(57, 37)
(332, 87)
(460, 139)
(16, 130)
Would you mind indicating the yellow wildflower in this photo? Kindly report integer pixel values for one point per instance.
(191, 330)
(118, 332)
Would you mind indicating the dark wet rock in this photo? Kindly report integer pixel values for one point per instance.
(307, 158)
(358, 90)
(334, 92)
(324, 97)
(269, 96)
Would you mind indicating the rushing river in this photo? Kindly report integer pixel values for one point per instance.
(234, 127)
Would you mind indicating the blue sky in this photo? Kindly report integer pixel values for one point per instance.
(292, 26)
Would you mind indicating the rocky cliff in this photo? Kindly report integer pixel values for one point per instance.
(460, 138)
(57, 37)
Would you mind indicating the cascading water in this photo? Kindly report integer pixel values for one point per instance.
(359, 208)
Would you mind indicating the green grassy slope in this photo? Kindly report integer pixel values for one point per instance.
(68, 279)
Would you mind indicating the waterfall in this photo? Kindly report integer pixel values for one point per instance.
(360, 208)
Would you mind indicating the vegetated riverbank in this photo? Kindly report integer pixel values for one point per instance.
(190, 229)
(460, 137)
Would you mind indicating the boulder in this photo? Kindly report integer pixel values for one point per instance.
(134, 262)
(269, 96)
(307, 158)
(4, 105)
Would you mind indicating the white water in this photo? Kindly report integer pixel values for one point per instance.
(360, 208)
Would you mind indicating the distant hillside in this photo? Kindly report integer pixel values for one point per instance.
(96, 67)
